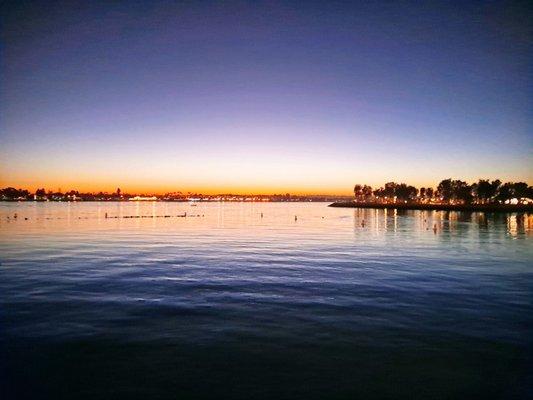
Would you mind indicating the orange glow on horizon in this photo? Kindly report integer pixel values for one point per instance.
(314, 180)
(161, 190)
(152, 189)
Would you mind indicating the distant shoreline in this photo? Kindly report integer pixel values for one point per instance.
(438, 207)
(168, 201)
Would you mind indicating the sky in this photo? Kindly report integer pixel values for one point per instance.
(263, 97)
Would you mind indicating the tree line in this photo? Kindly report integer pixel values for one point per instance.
(11, 193)
(484, 191)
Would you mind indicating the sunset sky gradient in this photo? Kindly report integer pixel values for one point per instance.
(263, 96)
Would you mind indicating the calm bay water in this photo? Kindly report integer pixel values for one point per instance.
(224, 303)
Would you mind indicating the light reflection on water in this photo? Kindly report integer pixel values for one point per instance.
(338, 291)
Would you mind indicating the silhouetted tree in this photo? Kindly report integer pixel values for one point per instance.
(366, 192)
(10, 193)
(462, 191)
(449, 190)
(520, 189)
(390, 189)
(484, 190)
(358, 191)
(510, 190)
(405, 192)
(506, 192)
(445, 190)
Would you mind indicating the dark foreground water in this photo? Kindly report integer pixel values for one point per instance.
(231, 305)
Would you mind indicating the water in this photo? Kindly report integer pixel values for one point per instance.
(226, 304)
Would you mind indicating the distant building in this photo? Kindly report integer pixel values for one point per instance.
(142, 198)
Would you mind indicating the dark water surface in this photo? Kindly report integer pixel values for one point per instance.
(232, 305)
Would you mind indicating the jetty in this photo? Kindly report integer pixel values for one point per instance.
(438, 206)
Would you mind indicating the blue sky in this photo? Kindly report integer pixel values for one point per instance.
(264, 96)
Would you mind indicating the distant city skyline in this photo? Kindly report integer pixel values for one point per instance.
(275, 97)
